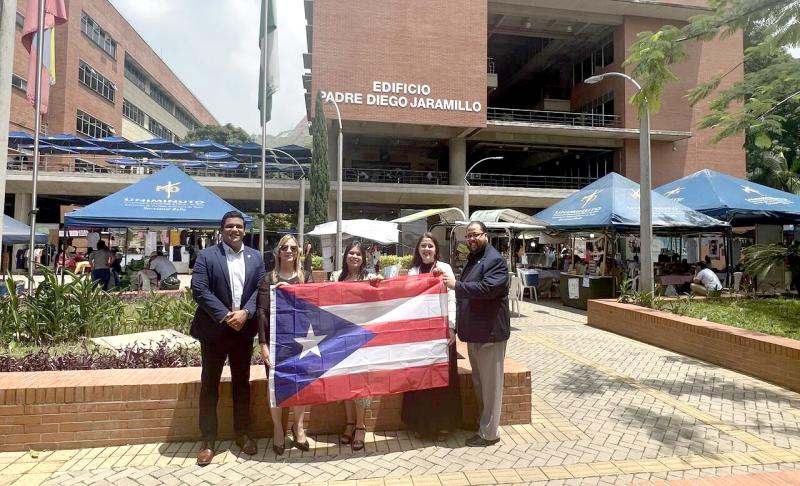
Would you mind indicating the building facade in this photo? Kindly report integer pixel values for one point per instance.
(426, 88)
(108, 81)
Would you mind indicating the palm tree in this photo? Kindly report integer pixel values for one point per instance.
(770, 168)
(761, 259)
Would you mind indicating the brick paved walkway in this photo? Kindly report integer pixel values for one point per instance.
(607, 410)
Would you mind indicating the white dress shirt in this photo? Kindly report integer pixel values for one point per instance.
(236, 273)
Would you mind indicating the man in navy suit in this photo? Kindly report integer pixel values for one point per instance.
(483, 322)
(225, 281)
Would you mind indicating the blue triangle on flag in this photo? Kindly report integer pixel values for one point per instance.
(297, 366)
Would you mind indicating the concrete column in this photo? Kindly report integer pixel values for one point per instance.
(458, 161)
(8, 19)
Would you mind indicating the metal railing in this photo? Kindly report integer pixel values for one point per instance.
(553, 117)
(396, 176)
(375, 176)
(532, 181)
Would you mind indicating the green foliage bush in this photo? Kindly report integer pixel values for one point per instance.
(404, 261)
(58, 313)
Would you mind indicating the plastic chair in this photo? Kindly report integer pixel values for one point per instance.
(529, 281)
(514, 292)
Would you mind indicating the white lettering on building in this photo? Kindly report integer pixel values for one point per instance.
(401, 95)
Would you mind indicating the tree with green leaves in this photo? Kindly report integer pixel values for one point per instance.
(765, 104)
(225, 134)
(320, 189)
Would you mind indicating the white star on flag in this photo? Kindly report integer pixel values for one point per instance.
(310, 342)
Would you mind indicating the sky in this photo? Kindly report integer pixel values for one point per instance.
(212, 46)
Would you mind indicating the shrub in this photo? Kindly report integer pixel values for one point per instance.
(316, 262)
(404, 261)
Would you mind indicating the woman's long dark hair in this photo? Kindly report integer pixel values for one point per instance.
(417, 261)
(362, 271)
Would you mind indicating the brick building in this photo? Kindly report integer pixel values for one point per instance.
(108, 81)
(428, 87)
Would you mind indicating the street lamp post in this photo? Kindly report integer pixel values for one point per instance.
(466, 184)
(645, 205)
(338, 258)
(301, 209)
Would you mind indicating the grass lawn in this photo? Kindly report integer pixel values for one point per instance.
(779, 317)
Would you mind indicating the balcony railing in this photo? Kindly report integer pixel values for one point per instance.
(368, 176)
(540, 182)
(396, 176)
(553, 117)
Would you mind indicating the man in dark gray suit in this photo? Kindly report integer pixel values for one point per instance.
(225, 281)
(483, 322)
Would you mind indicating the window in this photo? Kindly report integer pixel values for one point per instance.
(608, 53)
(185, 118)
(132, 113)
(162, 98)
(96, 82)
(160, 130)
(97, 35)
(135, 75)
(603, 105)
(92, 127)
(20, 21)
(19, 83)
(590, 64)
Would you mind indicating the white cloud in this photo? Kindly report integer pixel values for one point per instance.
(213, 48)
(795, 52)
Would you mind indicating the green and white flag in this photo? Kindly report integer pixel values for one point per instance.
(268, 40)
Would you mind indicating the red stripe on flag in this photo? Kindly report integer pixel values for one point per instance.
(410, 331)
(338, 293)
(361, 385)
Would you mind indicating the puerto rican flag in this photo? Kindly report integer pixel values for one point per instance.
(345, 340)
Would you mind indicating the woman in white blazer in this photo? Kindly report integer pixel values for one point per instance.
(434, 412)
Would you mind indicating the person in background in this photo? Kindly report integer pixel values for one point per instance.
(483, 321)
(434, 412)
(116, 265)
(225, 284)
(706, 281)
(160, 264)
(100, 260)
(375, 256)
(287, 271)
(308, 258)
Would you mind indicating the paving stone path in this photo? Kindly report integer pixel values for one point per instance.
(606, 410)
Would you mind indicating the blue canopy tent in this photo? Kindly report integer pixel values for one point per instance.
(19, 138)
(613, 202)
(168, 198)
(18, 233)
(206, 146)
(737, 201)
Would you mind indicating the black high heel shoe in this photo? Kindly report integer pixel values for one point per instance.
(345, 438)
(357, 444)
(303, 446)
(279, 450)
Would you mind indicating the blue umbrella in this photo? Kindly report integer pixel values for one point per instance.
(45, 148)
(116, 143)
(18, 138)
(206, 146)
(67, 140)
(159, 144)
(740, 202)
(217, 156)
(613, 202)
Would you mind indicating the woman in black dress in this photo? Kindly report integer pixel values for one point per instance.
(434, 412)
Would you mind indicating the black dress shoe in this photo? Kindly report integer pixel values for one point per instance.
(478, 441)
(247, 445)
(206, 453)
(303, 446)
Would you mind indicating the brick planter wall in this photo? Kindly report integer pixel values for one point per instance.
(771, 358)
(75, 409)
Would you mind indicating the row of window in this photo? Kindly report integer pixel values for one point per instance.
(139, 78)
(592, 62)
(101, 38)
(92, 127)
(602, 105)
(136, 115)
(96, 82)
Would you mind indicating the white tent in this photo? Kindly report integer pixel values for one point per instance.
(378, 231)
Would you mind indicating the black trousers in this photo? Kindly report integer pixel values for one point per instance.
(238, 351)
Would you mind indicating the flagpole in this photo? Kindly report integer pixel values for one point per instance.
(37, 130)
(263, 87)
